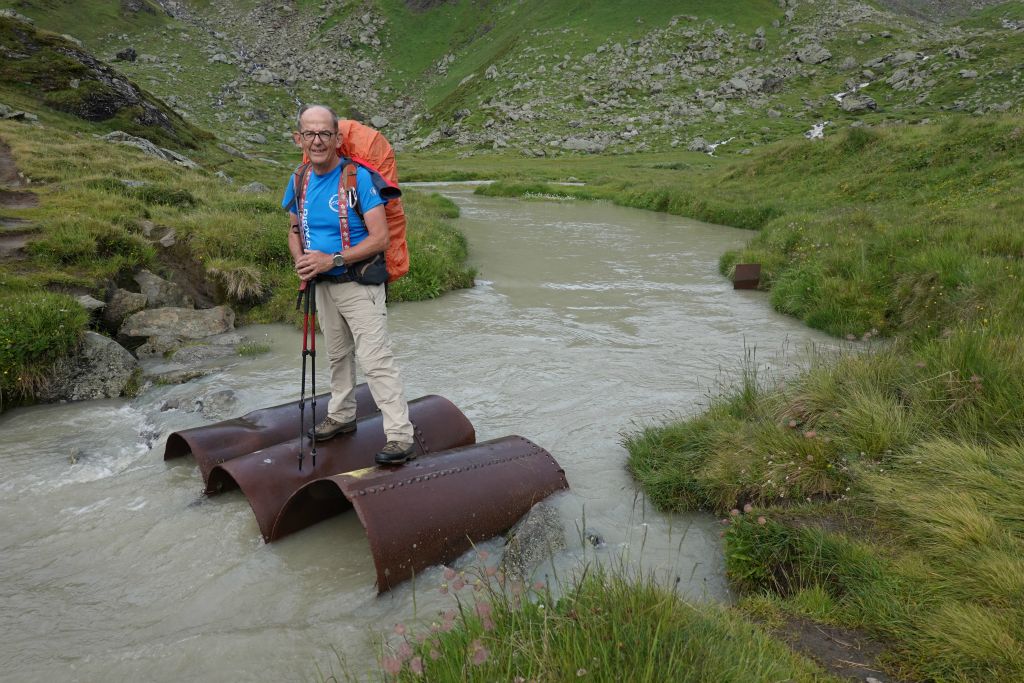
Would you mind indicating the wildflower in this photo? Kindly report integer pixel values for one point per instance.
(488, 624)
(480, 652)
(399, 629)
(810, 435)
(748, 507)
(392, 665)
(761, 520)
(734, 512)
(444, 589)
(581, 672)
(483, 609)
(491, 571)
(404, 651)
(434, 654)
(538, 585)
(483, 555)
(458, 584)
(792, 423)
(416, 665)
(449, 573)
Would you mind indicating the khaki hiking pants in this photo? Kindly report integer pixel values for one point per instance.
(353, 318)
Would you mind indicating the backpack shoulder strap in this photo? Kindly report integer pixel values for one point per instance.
(349, 181)
(299, 181)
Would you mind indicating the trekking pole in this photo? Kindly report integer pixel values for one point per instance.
(303, 292)
(311, 294)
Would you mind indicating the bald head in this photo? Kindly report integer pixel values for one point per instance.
(317, 110)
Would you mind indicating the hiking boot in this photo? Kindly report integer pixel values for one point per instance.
(395, 453)
(330, 428)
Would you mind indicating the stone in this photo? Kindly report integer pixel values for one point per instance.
(535, 538)
(254, 188)
(169, 239)
(856, 103)
(90, 304)
(968, 73)
(698, 144)
(491, 73)
(200, 353)
(101, 368)
(127, 55)
(583, 145)
(228, 149)
(160, 292)
(179, 375)
(813, 54)
(187, 323)
(379, 121)
(256, 138)
(122, 138)
(120, 305)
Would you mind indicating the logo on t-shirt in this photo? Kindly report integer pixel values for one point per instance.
(334, 203)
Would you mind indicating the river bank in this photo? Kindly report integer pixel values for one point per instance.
(879, 491)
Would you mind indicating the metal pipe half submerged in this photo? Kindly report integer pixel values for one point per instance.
(428, 511)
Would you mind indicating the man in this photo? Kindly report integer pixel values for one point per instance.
(353, 316)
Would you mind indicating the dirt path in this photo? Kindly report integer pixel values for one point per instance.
(14, 232)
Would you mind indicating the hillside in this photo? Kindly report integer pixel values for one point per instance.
(542, 79)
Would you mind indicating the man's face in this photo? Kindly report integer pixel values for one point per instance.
(321, 149)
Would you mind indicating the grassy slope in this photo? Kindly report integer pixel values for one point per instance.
(89, 231)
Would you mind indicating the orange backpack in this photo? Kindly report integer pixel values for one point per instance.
(367, 147)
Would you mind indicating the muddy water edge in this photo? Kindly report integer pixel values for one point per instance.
(587, 320)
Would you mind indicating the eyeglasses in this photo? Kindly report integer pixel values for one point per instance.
(324, 135)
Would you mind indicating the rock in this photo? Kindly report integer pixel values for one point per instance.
(856, 103)
(159, 345)
(225, 177)
(256, 138)
(101, 368)
(462, 114)
(757, 43)
(583, 145)
(491, 73)
(11, 14)
(168, 240)
(379, 121)
(254, 187)
(967, 73)
(198, 354)
(90, 304)
(122, 138)
(120, 305)
(127, 55)
(218, 404)
(535, 538)
(698, 144)
(232, 151)
(219, 58)
(179, 375)
(813, 54)
(160, 292)
(905, 57)
(187, 323)
(265, 76)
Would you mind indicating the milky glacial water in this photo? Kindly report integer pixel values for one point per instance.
(587, 321)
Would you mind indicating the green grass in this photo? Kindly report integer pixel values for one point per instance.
(607, 627)
(37, 328)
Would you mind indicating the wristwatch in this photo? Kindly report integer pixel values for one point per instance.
(338, 261)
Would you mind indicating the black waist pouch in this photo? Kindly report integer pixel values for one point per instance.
(371, 271)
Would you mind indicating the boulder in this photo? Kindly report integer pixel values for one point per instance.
(120, 305)
(856, 103)
(813, 54)
(160, 292)
(534, 539)
(127, 55)
(122, 138)
(254, 188)
(186, 323)
(379, 121)
(90, 304)
(101, 368)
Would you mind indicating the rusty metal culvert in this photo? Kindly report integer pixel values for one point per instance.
(268, 477)
(433, 509)
(223, 441)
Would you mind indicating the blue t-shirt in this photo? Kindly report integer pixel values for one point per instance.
(319, 225)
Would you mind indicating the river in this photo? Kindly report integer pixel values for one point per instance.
(587, 320)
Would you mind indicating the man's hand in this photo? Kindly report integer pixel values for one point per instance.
(312, 263)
